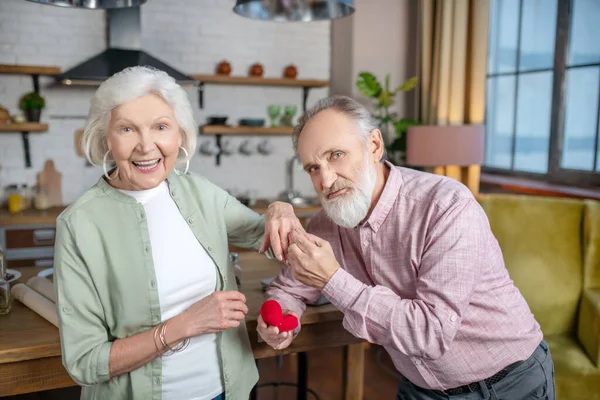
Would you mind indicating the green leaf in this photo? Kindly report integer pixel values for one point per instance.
(387, 83)
(402, 126)
(385, 100)
(408, 85)
(368, 85)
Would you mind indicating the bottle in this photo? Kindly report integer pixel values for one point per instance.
(5, 300)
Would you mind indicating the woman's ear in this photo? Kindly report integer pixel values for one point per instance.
(376, 145)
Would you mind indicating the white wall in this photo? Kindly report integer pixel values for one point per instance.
(379, 38)
(190, 35)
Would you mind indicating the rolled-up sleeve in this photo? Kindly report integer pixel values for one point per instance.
(84, 336)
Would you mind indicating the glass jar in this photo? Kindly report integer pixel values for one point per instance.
(15, 200)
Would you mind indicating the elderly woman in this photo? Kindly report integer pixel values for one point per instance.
(147, 301)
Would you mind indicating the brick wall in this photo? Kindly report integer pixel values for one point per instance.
(192, 36)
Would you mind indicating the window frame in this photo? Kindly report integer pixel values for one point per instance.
(554, 174)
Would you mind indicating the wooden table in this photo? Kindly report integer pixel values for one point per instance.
(30, 355)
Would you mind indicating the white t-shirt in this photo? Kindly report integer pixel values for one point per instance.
(185, 274)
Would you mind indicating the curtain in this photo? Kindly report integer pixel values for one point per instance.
(453, 42)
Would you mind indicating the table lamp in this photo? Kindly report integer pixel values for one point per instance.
(447, 148)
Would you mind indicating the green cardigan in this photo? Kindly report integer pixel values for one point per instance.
(106, 286)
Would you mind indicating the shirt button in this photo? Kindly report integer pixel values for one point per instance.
(152, 283)
(210, 248)
(173, 192)
(365, 243)
(147, 249)
(190, 221)
(157, 381)
(418, 362)
(142, 215)
(453, 318)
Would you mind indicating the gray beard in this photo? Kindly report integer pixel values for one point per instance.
(349, 210)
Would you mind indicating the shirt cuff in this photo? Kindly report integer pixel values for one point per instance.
(102, 366)
(343, 289)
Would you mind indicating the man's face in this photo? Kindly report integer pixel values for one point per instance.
(341, 166)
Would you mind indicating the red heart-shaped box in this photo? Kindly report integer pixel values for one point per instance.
(272, 314)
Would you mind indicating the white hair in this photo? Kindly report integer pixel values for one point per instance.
(344, 105)
(125, 86)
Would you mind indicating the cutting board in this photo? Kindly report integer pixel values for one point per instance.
(50, 180)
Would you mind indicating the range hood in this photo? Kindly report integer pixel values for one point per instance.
(124, 50)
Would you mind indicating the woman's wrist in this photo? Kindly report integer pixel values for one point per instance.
(177, 329)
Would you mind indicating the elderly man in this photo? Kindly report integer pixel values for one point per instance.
(409, 259)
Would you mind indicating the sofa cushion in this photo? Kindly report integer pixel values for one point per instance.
(575, 375)
(541, 240)
(591, 274)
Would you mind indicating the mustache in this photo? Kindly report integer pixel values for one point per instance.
(337, 185)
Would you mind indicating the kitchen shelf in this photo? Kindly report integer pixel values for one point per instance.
(305, 84)
(34, 71)
(259, 81)
(245, 130)
(26, 127)
(15, 69)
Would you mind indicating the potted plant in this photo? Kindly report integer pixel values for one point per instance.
(369, 86)
(32, 104)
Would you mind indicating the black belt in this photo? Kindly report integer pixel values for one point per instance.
(472, 387)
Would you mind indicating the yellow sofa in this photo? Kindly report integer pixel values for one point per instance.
(551, 248)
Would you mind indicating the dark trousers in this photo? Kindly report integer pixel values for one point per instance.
(533, 379)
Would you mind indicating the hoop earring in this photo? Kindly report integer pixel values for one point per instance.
(187, 162)
(105, 170)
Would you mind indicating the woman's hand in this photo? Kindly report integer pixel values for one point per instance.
(272, 336)
(280, 221)
(215, 313)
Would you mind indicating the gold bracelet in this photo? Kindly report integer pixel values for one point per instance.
(180, 346)
(156, 339)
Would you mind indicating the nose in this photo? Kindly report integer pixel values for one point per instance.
(328, 177)
(146, 143)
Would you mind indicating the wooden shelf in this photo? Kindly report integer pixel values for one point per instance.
(26, 127)
(258, 81)
(245, 130)
(14, 69)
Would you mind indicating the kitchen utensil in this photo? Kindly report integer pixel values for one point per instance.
(224, 68)
(265, 147)
(246, 148)
(209, 148)
(50, 180)
(256, 70)
(12, 275)
(290, 72)
(252, 122)
(217, 120)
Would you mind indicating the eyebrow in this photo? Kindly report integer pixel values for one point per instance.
(128, 121)
(330, 150)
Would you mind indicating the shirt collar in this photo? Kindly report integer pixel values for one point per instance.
(387, 198)
(124, 198)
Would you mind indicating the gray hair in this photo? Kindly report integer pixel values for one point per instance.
(127, 85)
(344, 105)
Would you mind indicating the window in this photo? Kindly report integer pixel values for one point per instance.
(543, 90)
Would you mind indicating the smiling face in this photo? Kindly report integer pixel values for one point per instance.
(144, 138)
(343, 169)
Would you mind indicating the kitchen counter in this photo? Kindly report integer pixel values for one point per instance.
(30, 353)
(41, 217)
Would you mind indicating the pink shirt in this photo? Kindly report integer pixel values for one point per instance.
(425, 278)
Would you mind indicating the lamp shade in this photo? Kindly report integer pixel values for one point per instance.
(436, 145)
(92, 4)
(293, 10)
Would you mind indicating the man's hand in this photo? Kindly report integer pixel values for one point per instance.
(272, 336)
(312, 259)
(280, 221)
